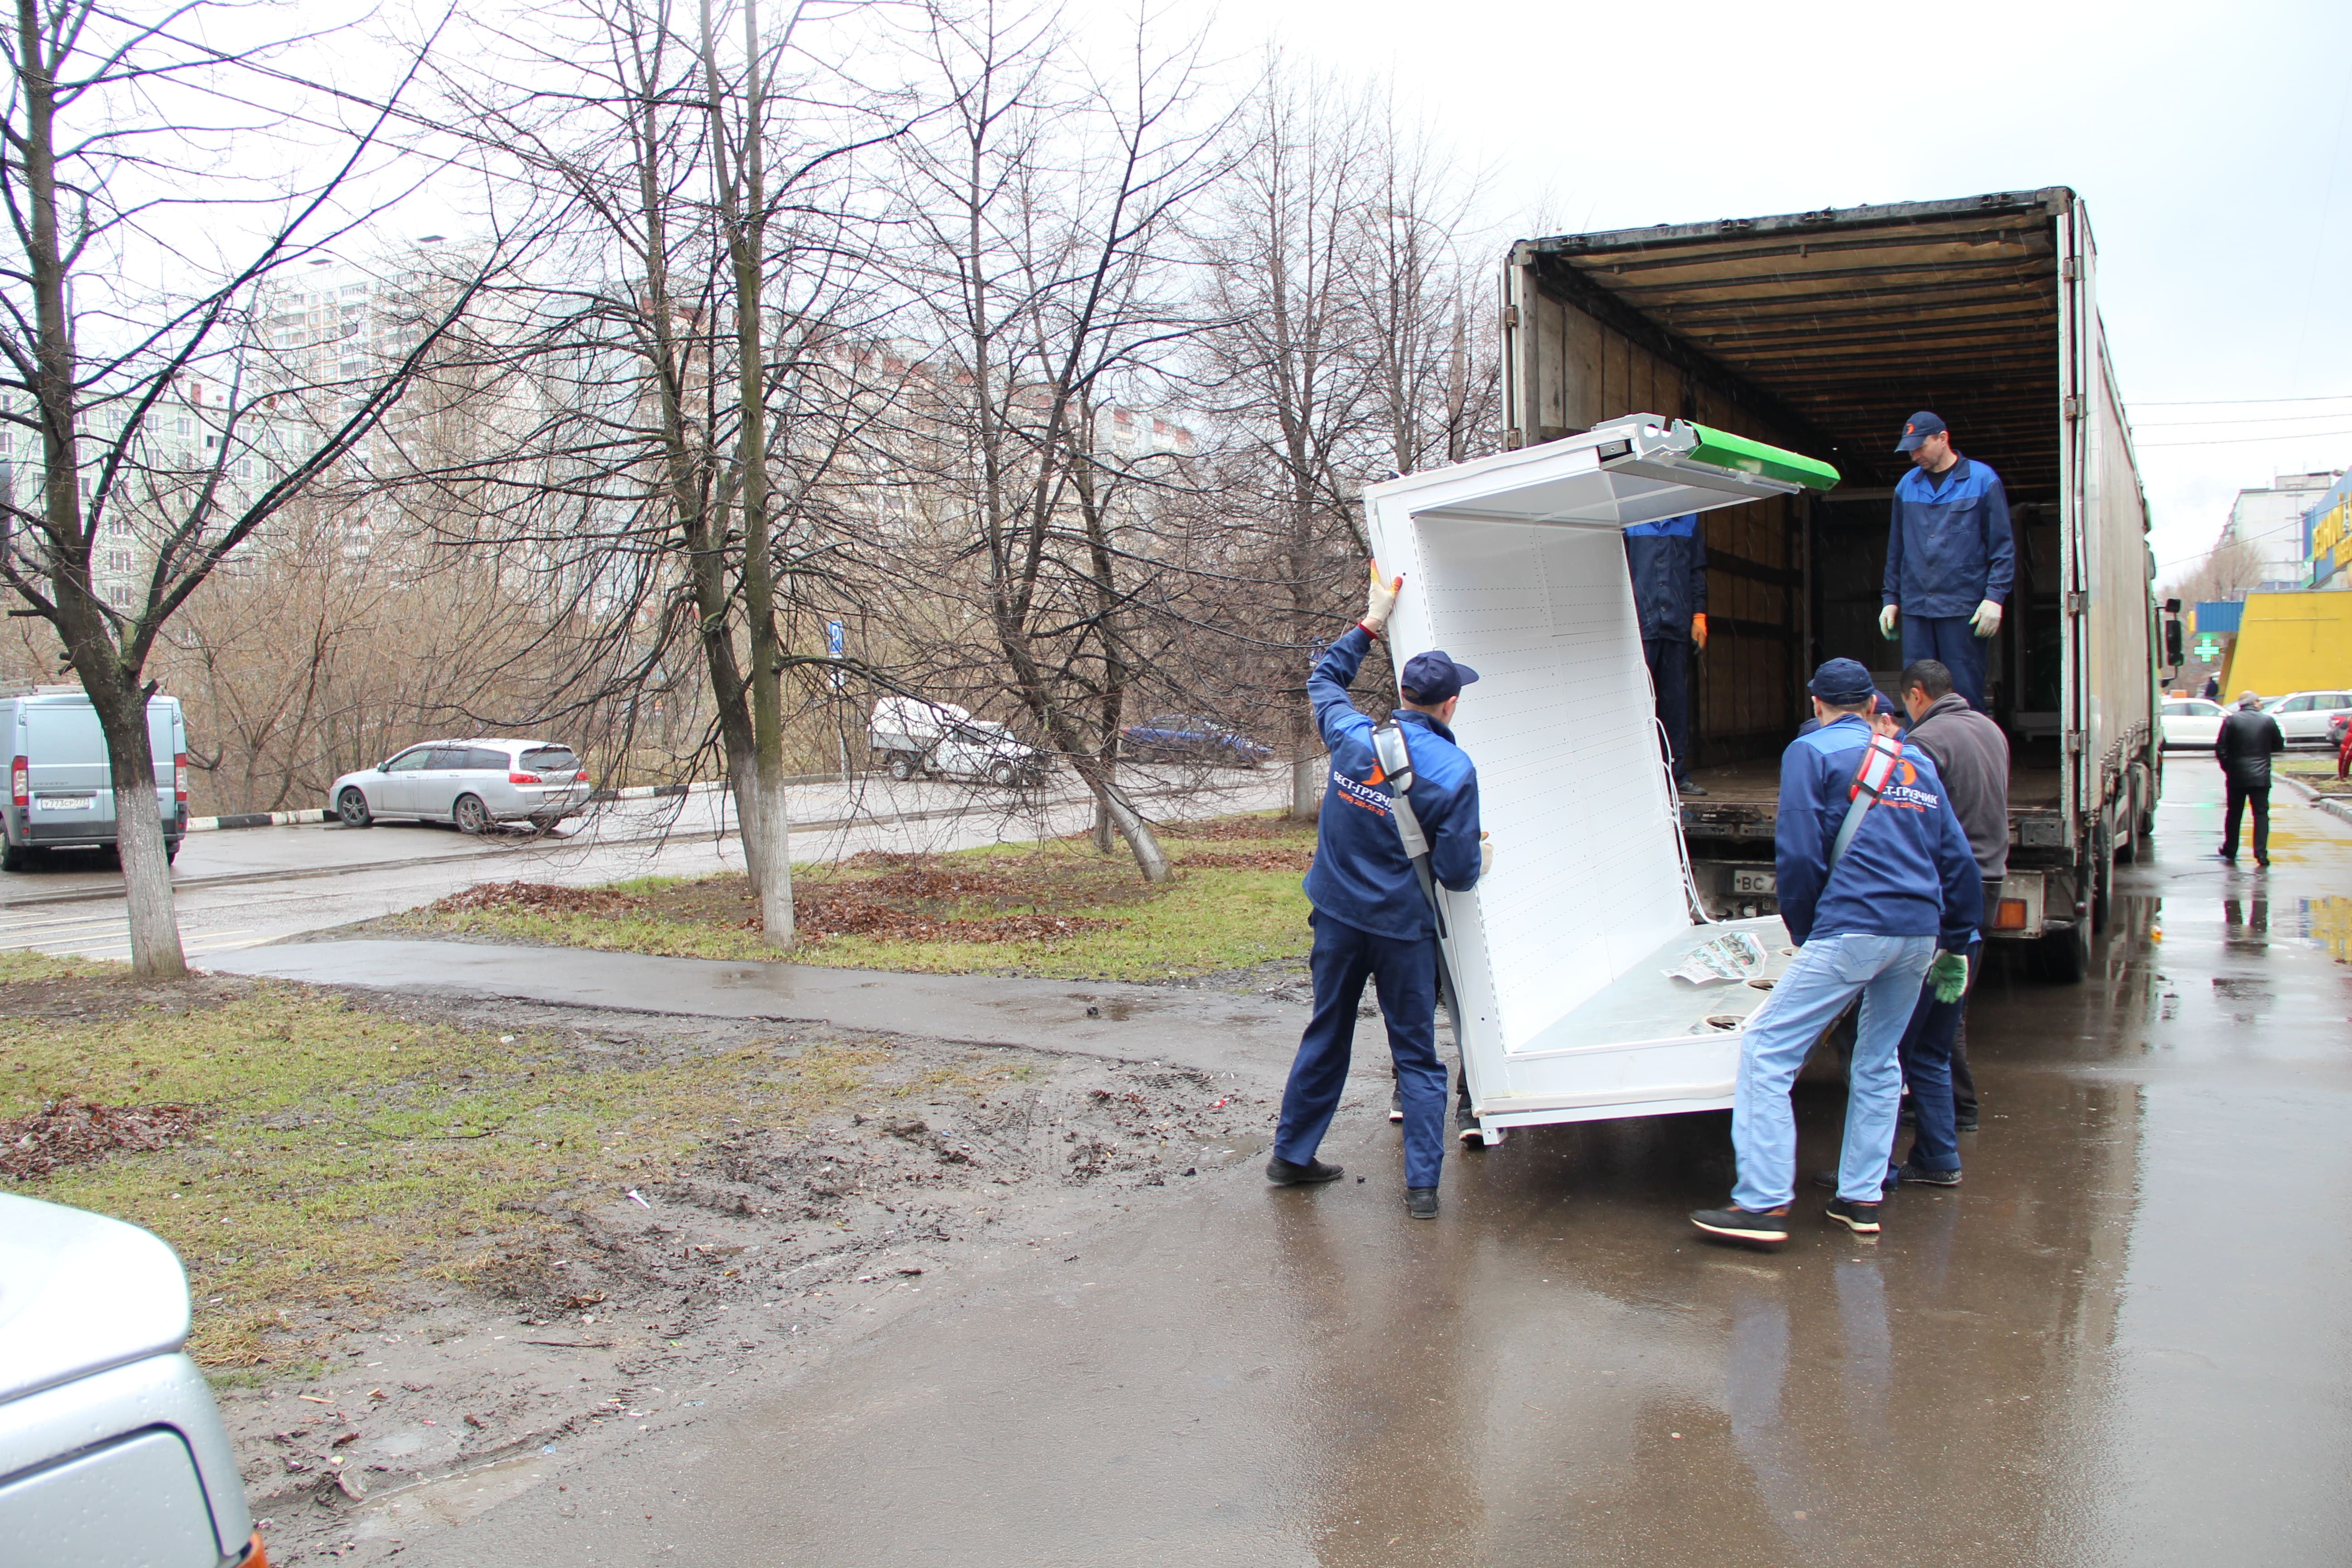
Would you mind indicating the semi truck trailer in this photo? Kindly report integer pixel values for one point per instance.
(1821, 333)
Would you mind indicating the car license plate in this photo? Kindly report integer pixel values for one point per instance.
(67, 802)
(1754, 882)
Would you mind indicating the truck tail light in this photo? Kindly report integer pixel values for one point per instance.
(2009, 915)
(524, 778)
(180, 777)
(17, 773)
(579, 777)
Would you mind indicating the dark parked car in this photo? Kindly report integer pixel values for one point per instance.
(1178, 737)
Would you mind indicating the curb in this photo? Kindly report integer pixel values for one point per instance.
(2336, 806)
(254, 819)
(639, 792)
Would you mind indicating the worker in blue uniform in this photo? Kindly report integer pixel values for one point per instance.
(1668, 562)
(1872, 911)
(1370, 918)
(1950, 557)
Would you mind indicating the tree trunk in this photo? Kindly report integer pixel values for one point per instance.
(743, 784)
(1111, 801)
(1306, 787)
(156, 950)
(1103, 829)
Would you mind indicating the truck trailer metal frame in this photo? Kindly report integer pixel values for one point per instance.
(1822, 331)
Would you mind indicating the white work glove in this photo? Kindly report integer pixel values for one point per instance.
(1381, 602)
(1886, 623)
(1987, 620)
(1486, 855)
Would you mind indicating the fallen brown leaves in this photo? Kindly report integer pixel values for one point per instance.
(540, 897)
(1295, 858)
(854, 911)
(72, 1131)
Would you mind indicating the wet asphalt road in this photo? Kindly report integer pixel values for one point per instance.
(2125, 1340)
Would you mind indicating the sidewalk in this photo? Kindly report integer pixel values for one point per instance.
(1214, 1031)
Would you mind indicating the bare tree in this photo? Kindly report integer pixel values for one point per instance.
(1283, 363)
(1043, 209)
(104, 174)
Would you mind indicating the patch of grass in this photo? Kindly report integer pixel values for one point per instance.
(348, 1153)
(2319, 773)
(1234, 901)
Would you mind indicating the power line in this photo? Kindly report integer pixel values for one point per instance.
(2265, 419)
(2245, 440)
(2220, 402)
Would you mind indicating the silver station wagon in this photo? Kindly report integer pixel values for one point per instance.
(475, 783)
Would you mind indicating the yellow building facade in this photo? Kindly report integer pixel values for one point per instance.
(2291, 642)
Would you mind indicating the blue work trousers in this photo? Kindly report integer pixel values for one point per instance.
(1926, 1056)
(1669, 662)
(1404, 976)
(1947, 640)
(1828, 973)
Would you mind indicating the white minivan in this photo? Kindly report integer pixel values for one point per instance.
(60, 786)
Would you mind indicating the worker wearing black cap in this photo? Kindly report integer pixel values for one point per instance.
(1950, 558)
(1878, 889)
(1371, 918)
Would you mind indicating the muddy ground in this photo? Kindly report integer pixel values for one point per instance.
(765, 1255)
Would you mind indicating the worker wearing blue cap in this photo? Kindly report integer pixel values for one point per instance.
(1371, 920)
(1950, 558)
(1879, 888)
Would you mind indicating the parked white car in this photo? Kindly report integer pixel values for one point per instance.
(2193, 722)
(2303, 716)
(475, 783)
(111, 1449)
(939, 740)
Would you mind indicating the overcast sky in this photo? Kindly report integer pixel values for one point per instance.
(2209, 143)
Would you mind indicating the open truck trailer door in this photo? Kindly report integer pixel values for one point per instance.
(1821, 333)
(1560, 956)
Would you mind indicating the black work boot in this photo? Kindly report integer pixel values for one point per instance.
(1283, 1173)
(1421, 1202)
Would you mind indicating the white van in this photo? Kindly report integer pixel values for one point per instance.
(60, 788)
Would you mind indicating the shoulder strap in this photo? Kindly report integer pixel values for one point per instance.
(1869, 781)
(1394, 753)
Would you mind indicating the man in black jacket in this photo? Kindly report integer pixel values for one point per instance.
(2243, 748)
(1668, 562)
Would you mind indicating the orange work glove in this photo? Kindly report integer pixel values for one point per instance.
(1699, 630)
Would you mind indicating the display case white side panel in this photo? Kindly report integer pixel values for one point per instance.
(1587, 879)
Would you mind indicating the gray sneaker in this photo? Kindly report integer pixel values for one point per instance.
(1421, 1202)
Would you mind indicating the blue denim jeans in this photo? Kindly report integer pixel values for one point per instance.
(1828, 973)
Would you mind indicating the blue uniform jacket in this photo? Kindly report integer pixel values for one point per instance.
(1668, 563)
(1949, 548)
(1909, 871)
(1360, 875)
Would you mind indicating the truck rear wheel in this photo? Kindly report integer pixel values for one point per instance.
(15, 858)
(900, 766)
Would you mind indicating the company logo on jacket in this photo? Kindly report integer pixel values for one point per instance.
(1375, 801)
